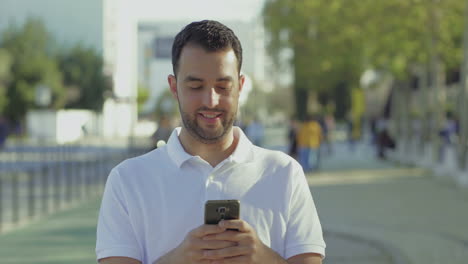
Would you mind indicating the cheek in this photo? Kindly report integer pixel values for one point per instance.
(189, 100)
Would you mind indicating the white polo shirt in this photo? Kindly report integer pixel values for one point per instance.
(152, 201)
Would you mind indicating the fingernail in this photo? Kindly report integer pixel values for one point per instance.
(221, 223)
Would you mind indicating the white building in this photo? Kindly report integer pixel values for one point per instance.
(154, 53)
(128, 48)
(105, 25)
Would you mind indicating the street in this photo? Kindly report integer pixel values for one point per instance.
(371, 212)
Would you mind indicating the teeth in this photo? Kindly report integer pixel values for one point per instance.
(209, 116)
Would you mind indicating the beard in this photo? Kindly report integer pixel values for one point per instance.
(207, 136)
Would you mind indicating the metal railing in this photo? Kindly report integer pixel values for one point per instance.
(42, 179)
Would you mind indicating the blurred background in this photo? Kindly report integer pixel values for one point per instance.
(83, 86)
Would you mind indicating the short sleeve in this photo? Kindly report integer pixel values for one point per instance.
(304, 231)
(115, 233)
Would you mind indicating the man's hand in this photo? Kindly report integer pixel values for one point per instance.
(192, 249)
(246, 248)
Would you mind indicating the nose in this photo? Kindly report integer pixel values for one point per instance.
(211, 98)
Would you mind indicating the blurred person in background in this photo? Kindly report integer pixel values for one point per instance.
(448, 133)
(292, 137)
(255, 132)
(3, 131)
(153, 205)
(328, 126)
(384, 140)
(163, 132)
(309, 139)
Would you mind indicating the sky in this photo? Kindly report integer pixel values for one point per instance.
(244, 10)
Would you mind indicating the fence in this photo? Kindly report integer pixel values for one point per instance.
(39, 180)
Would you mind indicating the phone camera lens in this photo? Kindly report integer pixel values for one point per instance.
(222, 210)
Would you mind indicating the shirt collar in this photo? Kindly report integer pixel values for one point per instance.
(242, 153)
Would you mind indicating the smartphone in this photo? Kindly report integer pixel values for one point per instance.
(217, 210)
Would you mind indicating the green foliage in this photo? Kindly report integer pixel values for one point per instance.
(83, 78)
(166, 105)
(28, 60)
(5, 66)
(333, 41)
(258, 100)
(142, 96)
(32, 65)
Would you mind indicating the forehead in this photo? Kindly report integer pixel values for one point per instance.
(195, 60)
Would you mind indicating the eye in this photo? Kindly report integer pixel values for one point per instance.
(196, 88)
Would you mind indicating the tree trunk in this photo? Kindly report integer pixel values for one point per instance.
(425, 110)
(463, 106)
(437, 101)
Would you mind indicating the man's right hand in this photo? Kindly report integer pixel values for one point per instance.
(191, 249)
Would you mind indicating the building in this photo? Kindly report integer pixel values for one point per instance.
(106, 26)
(155, 40)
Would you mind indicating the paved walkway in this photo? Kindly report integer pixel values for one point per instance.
(371, 211)
(403, 215)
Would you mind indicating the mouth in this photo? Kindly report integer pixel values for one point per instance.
(210, 117)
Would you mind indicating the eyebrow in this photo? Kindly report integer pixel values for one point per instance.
(192, 79)
(195, 79)
(224, 79)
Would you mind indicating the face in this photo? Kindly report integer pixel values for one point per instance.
(207, 88)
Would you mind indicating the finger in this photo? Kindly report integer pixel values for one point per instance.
(216, 244)
(225, 253)
(204, 230)
(235, 236)
(231, 260)
(238, 224)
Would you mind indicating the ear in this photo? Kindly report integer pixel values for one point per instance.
(171, 79)
(241, 82)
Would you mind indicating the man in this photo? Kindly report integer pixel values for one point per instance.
(309, 139)
(152, 209)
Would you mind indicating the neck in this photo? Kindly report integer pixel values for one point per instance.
(212, 153)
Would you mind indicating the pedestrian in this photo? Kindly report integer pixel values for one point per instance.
(448, 134)
(3, 131)
(152, 208)
(292, 138)
(309, 139)
(162, 133)
(384, 140)
(328, 137)
(255, 132)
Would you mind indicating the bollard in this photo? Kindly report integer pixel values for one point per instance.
(31, 194)
(68, 183)
(79, 180)
(14, 198)
(1, 202)
(45, 189)
(56, 185)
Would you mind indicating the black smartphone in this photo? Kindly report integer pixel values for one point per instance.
(217, 210)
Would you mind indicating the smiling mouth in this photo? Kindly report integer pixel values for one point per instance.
(210, 115)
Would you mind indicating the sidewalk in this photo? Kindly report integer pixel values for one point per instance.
(65, 237)
(411, 216)
(372, 212)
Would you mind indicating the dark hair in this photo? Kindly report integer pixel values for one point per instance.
(210, 35)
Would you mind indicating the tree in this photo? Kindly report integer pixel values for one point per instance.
(5, 66)
(333, 41)
(327, 55)
(32, 65)
(83, 78)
